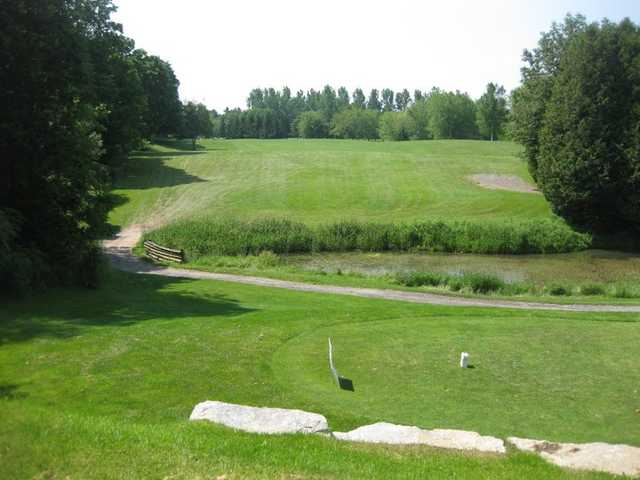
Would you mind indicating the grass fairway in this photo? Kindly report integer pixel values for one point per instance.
(100, 383)
(323, 180)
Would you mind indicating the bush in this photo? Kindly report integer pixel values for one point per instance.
(483, 283)
(397, 126)
(311, 125)
(355, 123)
(268, 259)
(623, 290)
(456, 284)
(475, 282)
(592, 289)
(559, 290)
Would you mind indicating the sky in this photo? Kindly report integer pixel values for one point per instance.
(221, 49)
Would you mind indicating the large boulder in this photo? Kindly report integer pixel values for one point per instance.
(391, 434)
(602, 457)
(260, 420)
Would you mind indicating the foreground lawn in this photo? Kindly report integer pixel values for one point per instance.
(100, 384)
(324, 180)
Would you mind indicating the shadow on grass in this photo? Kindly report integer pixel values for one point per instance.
(123, 300)
(9, 391)
(184, 144)
(159, 154)
(148, 170)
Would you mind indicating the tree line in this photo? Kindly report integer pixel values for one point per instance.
(381, 114)
(77, 97)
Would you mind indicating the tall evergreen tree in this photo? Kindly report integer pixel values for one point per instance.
(492, 111)
(256, 98)
(577, 115)
(387, 100)
(343, 99)
(359, 100)
(328, 102)
(373, 103)
(403, 99)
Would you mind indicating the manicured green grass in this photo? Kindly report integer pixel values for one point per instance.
(100, 383)
(319, 181)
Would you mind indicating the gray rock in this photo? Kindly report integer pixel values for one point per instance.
(384, 433)
(260, 420)
(601, 457)
(391, 434)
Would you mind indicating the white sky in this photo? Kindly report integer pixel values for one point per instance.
(221, 49)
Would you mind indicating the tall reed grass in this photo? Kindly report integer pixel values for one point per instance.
(215, 236)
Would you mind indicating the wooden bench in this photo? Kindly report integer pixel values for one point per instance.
(163, 254)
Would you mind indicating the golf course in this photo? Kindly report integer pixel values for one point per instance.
(319, 241)
(100, 371)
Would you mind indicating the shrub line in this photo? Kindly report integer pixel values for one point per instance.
(221, 236)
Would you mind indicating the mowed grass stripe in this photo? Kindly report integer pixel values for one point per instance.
(323, 180)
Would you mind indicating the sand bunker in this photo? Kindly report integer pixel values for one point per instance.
(513, 183)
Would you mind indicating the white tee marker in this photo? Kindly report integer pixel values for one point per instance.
(464, 360)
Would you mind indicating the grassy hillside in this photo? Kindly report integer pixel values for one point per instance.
(325, 180)
(100, 384)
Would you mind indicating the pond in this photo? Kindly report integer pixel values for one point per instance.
(600, 266)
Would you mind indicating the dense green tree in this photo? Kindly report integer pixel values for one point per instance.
(403, 99)
(397, 126)
(492, 111)
(373, 103)
(417, 95)
(312, 125)
(530, 100)
(256, 98)
(587, 147)
(313, 100)
(356, 123)
(343, 99)
(419, 112)
(451, 115)
(53, 122)
(359, 100)
(328, 102)
(387, 100)
(196, 122)
(116, 87)
(160, 85)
